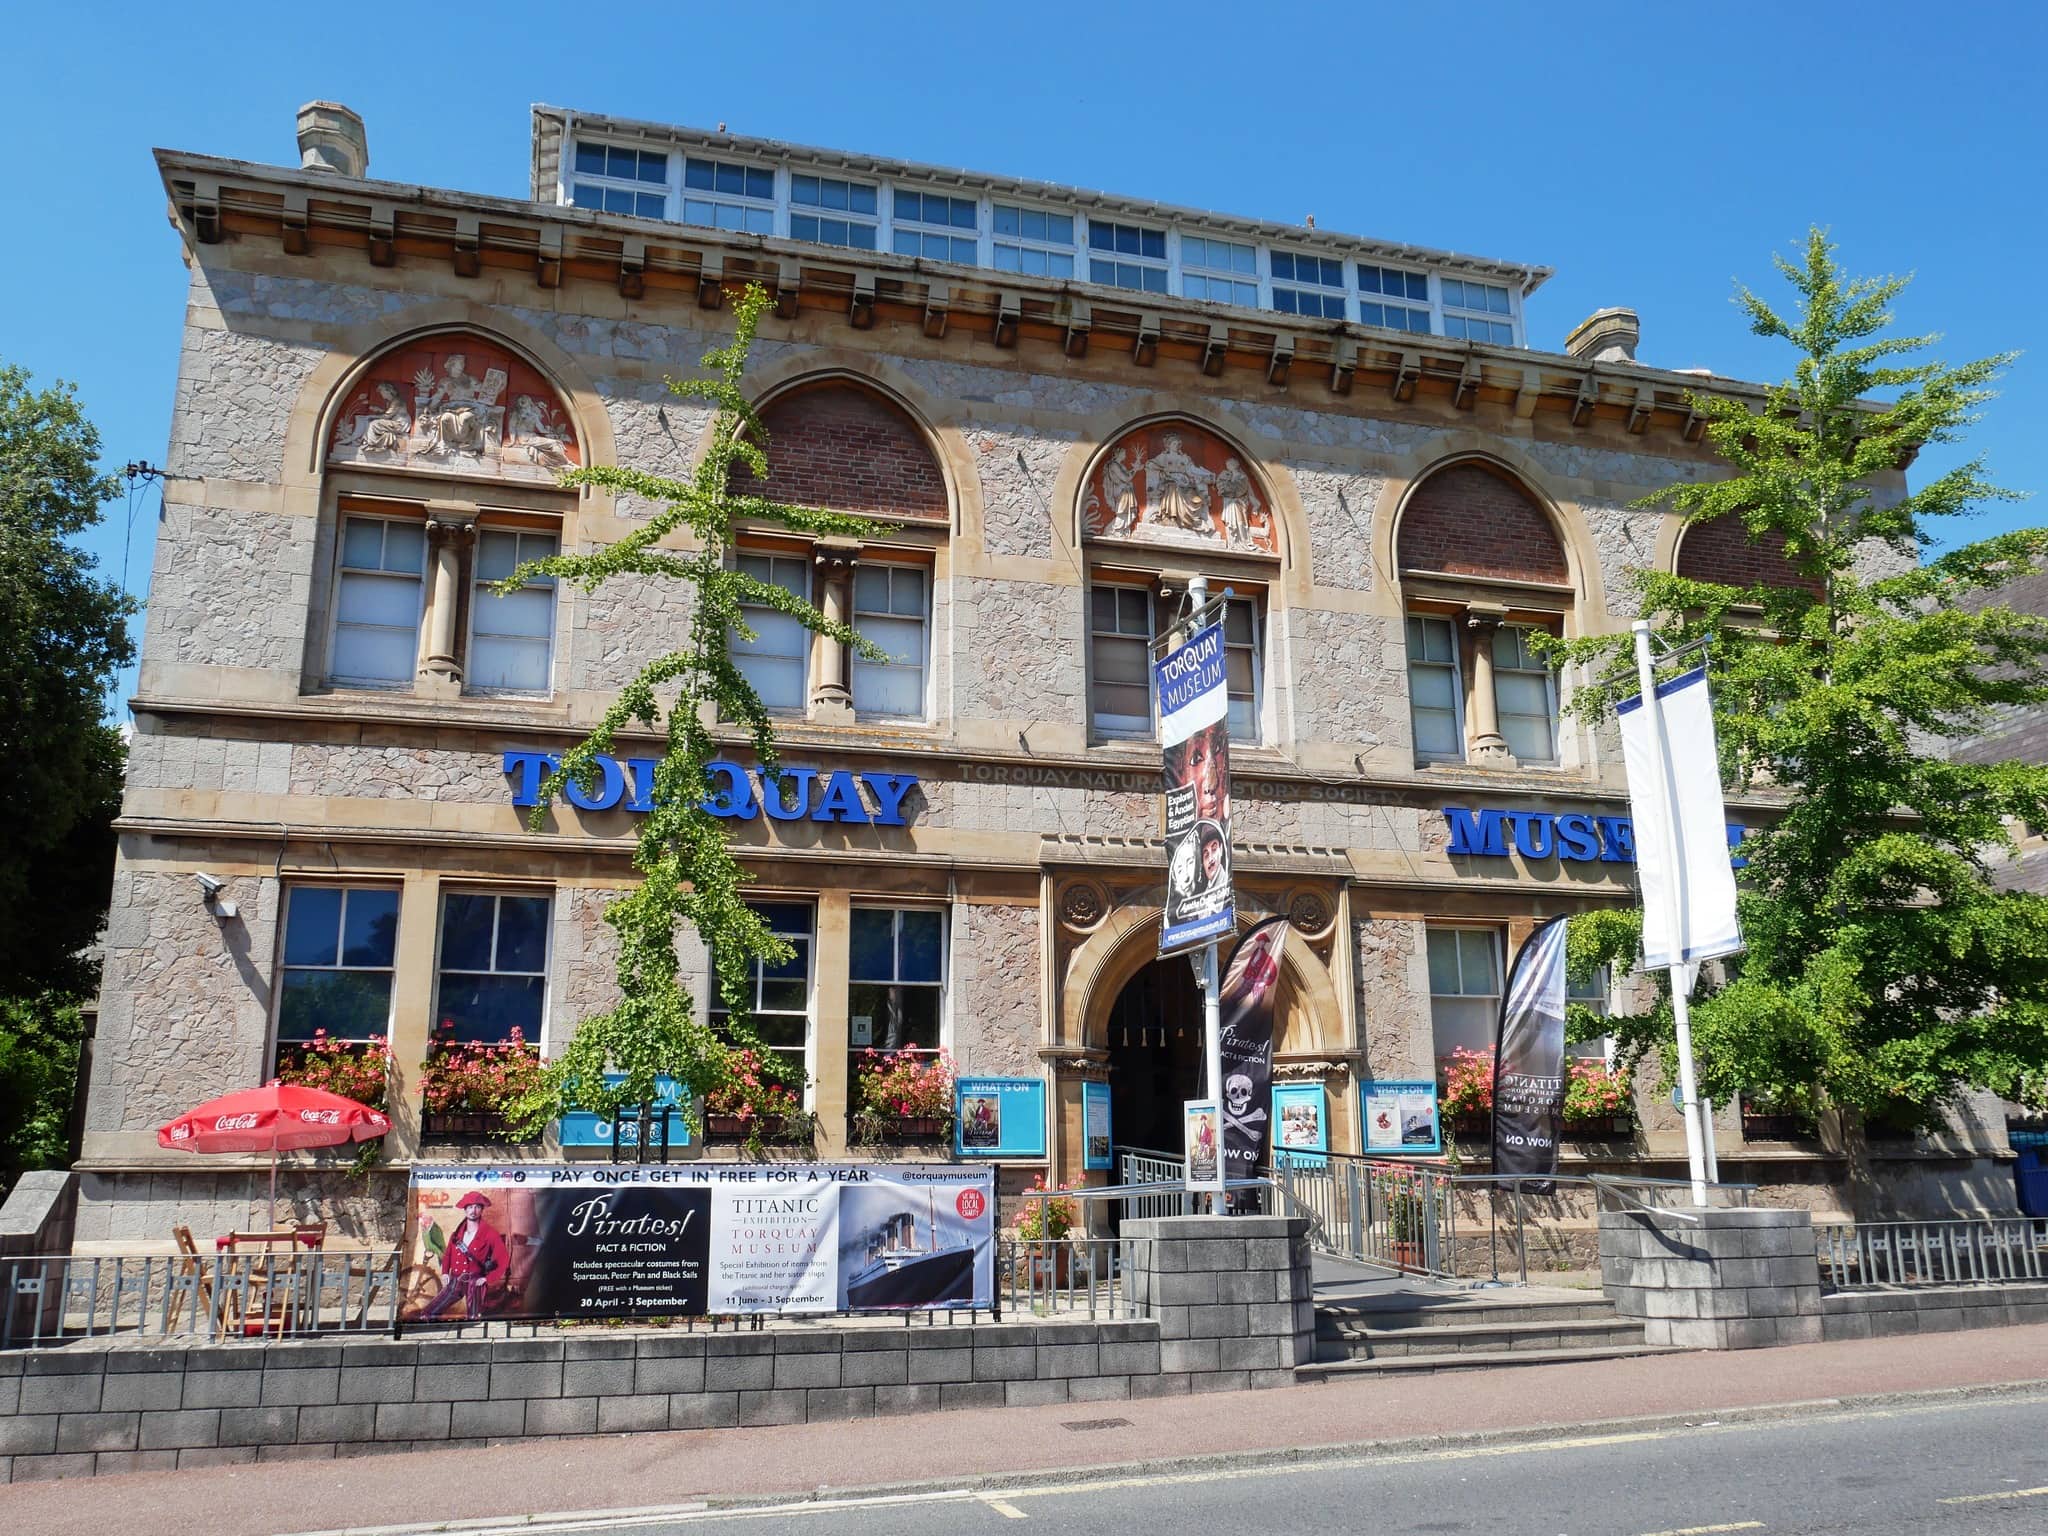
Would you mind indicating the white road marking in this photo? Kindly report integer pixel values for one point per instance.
(1004, 1507)
(1709, 1530)
(1992, 1498)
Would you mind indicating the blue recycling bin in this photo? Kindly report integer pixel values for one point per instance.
(2030, 1175)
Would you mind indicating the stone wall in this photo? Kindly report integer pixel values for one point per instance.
(1930, 1309)
(995, 989)
(1731, 1279)
(1232, 1296)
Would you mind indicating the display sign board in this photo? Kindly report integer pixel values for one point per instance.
(581, 1128)
(1194, 703)
(1202, 1143)
(999, 1117)
(1301, 1123)
(1400, 1118)
(1688, 888)
(591, 1241)
(1097, 1152)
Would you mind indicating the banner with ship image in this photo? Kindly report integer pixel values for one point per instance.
(598, 1241)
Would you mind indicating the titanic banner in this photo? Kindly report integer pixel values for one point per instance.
(1528, 1062)
(1194, 702)
(533, 1242)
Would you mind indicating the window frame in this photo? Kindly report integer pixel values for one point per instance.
(573, 176)
(1552, 720)
(1407, 303)
(714, 1006)
(856, 662)
(1255, 603)
(1496, 949)
(801, 558)
(1101, 581)
(824, 213)
(1073, 250)
(943, 987)
(1456, 666)
(1464, 315)
(775, 205)
(923, 230)
(1139, 260)
(1297, 287)
(475, 606)
(278, 1043)
(498, 895)
(1232, 278)
(1598, 995)
(344, 515)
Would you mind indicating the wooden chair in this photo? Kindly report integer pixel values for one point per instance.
(266, 1297)
(191, 1273)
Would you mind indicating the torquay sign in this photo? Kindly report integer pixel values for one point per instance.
(738, 792)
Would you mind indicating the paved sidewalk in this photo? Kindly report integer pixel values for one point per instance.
(636, 1471)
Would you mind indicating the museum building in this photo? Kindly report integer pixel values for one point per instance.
(1068, 405)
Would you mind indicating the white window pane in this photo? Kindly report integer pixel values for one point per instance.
(1121, 661)
(777, 635)
(1522, 693)
(906, 593)
(1244, 720)
(778, 680)
(888, 690)
(528, 613)
(374, 655)
(1436, 733)
(1432, 687)
(405, 547)
(870, 589)
(903, 639)
(391, 600)
(1475, 959)
(1457, 1022)
(501, 662)
(496, 555)
(1443, 960)
(362, 543)
(1528, 739)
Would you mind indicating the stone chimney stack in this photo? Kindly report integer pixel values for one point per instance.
(331, 138)
(1606, 336)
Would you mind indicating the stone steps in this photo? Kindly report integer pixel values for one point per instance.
(1474, 1360)
(1477, 1338)
(1437, 1312)
(1423, 1331)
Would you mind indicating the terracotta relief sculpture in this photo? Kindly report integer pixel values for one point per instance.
(442, 405)
(1176, 483)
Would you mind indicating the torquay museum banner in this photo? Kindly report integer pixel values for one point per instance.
(662, 1241)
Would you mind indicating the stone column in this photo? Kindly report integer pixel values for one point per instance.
(1733, 1279)
(451, 531)
(831, 954)
(1482, 621)
(1231, 1295)
(831, 664)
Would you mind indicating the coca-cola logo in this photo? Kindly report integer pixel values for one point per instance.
(181, 1132)
(236, 1123)
(320, 1116)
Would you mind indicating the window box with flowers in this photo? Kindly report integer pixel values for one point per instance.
(755, 1111)
(468, 1088)
(1465, 1098)
(903, 1096)
(359, 1070)
(1043, 1226)
(1598, 1100)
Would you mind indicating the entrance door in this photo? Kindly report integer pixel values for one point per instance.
(1155, 1055)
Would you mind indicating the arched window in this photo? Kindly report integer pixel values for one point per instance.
(1723, 550)
(1482, 570)
(441, 463)
(845, 446)
(1165, 502)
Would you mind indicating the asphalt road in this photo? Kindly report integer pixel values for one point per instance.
(1958, 1469)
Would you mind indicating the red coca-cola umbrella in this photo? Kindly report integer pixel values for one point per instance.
(275, 1118)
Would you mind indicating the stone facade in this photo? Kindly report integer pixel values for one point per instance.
(253, 764)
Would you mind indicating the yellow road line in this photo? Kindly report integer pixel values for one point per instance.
(1004, 1507)
(1993, 1498)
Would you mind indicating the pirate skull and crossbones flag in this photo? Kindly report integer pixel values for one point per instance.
(1250, 985)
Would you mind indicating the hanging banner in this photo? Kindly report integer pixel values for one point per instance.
(1701, 873)
(1528, 1062)
(530, 1242)
(1245, 1017)
(1194, 700)
(1202, 1147)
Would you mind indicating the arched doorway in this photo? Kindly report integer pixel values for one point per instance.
(1155, 1054)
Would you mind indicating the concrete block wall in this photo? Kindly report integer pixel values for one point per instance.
(1740, 1279)
(1230, 1295)
(88, 1409)
(1882, 1314)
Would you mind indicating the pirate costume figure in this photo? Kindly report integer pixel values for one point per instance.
(472, 1256)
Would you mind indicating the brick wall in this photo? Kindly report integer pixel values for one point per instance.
(1724, 551)
(1472, 521)
(843, 447)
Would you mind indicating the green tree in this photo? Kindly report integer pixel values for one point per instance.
(687, 872)
(63, 637)
(1884, 972)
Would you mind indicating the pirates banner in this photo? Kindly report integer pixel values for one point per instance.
(1194, 700)
(532, 1242)
(1245, 1016)
(1528, 1062)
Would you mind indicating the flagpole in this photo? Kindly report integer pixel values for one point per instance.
(1680, 973)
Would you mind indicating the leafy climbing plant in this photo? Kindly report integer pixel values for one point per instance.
(687, 871)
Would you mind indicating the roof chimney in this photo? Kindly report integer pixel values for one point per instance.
(1606, 336)
(331, 138)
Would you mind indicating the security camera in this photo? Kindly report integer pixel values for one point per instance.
(212, 885)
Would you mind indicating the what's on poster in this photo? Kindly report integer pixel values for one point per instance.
(650, 1241)
(1401, 1117)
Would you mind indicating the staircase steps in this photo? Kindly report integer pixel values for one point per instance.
(1406, 1332)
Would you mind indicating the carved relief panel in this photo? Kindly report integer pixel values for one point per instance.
(1177, 484)
(456, 405)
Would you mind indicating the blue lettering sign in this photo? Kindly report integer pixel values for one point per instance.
(1575, 836)
(737, 793)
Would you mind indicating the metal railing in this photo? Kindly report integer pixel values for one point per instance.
(1994, 1250)
(54, 1299)
(1061, 1277)
(1137, 1166)
(1403, 1215)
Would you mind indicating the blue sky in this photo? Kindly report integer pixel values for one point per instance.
(1651, 154)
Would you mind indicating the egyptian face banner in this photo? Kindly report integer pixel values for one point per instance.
(1245, 1016)
(1528, 1062)
(532, 1242)
(1194, 702)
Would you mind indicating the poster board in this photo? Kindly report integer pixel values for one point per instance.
(999, 1117)
(638, 1240)
(581, 1128)
(1400, 1118)
(1097, 1145)
(1301, 1123)
(1202, 1143)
